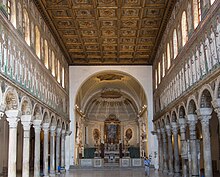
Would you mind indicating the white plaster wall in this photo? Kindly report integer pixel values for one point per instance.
(79, 74)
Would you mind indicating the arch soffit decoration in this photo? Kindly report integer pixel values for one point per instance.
(181, 106)
(25, 106)
(209, 89)
(88, 102)
(143, 100)
(191, 98)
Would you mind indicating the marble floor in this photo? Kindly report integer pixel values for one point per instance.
(111, 172)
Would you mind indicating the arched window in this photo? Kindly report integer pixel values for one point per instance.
(37, 41)
(46, 62)
(156, 79)
(184, 29)
(159, 73)
(26, 27)
(168, 56)
(53, 64)
(163, 66)
(175, 44)
(196, 12)
(63, 77)
(212, 1)
(11, 11)
(58, 71)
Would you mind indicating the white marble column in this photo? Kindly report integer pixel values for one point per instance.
(58, 149)
(52, 150)
(160, 149)
(63, 137)
(26, 121)
(45, 128)
(170, 149)
(204, 116)
(165, 156)
(37, 130)
(12, 118)
(182, 124)
(176, 148)
(192, 120)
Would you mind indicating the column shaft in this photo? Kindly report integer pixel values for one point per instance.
(57, 151)
(45, 151)
(37, 151)
(176, 148)
(165, 157)
(63, 150)
(182, 123)
(206, 146)
(52, 152)
(170, 150)
(193, 144)
(26, 152)
(12, 148)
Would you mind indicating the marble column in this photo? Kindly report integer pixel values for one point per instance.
(26, 121)
(182, 124)
(52, 150)
(63, 137)
(12, 118)
(160, 149)
(45, 128)
(216, 105)
(37, 130)
(204, 116)
(58, 149)
(165, 157)
(170, 149)
(192, 120)
(176, 148)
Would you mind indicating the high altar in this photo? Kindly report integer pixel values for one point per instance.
(115, 143)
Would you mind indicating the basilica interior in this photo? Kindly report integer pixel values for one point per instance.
(101, 84)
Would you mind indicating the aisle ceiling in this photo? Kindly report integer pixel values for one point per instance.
(103, 32)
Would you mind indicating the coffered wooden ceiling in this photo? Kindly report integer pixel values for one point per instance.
(102, 32)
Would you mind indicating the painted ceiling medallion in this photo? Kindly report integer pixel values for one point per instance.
(110, 77)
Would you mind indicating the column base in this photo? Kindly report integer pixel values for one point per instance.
(170, 173)
(165, 171)
(177, 174)
(52, 173)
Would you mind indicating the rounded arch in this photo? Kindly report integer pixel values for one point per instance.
(216, 94)
(25, 106)
(192, 105)
(115, 75)
(174, 115)
(46, 116)
(59, 122)
(167, 119)
(181, 110)
(205, 96)
(53, 120)
(11, 99)
(64, 125)
(163, 123)
(37, 112)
